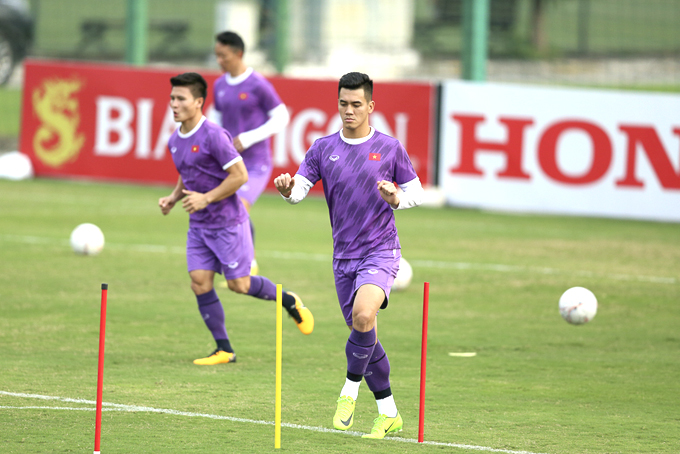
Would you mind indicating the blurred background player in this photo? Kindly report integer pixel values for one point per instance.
(247, 106)
(210, 172)
(358, 166)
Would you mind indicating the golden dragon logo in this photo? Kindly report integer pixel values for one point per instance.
(56, 141)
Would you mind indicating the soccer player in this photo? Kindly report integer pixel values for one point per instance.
(247, 106)
(218, 241)
(358, 166)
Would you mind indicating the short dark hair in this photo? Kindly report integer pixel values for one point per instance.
(231, 39)
(354, 81)
(194, 81)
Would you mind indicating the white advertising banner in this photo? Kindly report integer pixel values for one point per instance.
(560, 150)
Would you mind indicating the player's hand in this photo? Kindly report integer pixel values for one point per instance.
(194, 201)
(238, 145)
(166, 204)
(388, 191)
(284, 183)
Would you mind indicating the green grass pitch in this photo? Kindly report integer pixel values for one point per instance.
(536, 385)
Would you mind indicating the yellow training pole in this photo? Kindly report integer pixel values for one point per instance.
(279, 342)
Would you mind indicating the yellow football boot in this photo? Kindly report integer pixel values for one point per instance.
(216, 357)
(382, 425)
(344, 414)
(302, 316)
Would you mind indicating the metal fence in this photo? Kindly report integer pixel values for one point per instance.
(614, 43)
(587, 42)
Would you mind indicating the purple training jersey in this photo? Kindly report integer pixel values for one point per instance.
(361, 220)
(201, 157)
(245, 106)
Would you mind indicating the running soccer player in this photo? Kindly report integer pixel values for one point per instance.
(218, 241)
(247, 106)
(358, 166)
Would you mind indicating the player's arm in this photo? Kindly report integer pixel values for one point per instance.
(278, 120)
(166, 203)
(407, 195)
(291, 192)
(237, 176)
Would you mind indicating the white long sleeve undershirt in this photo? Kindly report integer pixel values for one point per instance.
(410, 195)
(299, 191)
(278, 120)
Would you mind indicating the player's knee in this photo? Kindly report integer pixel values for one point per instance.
(238, 286)
(200, 288)
(363, 320)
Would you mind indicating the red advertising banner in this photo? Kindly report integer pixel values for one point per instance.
(112, 122)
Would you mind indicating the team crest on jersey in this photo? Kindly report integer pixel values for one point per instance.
(173, 149)
(243, 96)
(374, 157)
(194, 149)
(334, 157)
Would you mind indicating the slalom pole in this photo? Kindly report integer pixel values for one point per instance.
(423, 363)
(279, 342)
(100, 372)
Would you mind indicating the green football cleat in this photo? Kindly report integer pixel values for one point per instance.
(382, 425)
(344, 415)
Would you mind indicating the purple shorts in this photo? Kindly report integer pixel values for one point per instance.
(257, 182)
(378, 268)
(227, 251)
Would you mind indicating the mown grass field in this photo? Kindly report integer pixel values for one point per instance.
(537, 384)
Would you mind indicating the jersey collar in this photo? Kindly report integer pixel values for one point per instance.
(238, 79)
(358, 141)
(193, 131)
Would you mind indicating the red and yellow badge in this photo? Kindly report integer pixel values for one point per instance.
(374, 157)
(194, 149)
(243, 96)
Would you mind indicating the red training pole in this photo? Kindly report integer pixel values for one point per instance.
(423, 362)
(100, 373)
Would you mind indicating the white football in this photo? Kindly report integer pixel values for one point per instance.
(87, 239)
(578, 305)
(404, 275)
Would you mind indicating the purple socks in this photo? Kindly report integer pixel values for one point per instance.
(367, 359)
(213, 314)
(377, 373)
(261, 287)
(359, 350)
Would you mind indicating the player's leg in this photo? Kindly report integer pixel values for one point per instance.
(378, 380)
(358, 350)
(377, 373)
(212, 312)
(263, 288)
(343, 271)
(202, 264)
(235, 249)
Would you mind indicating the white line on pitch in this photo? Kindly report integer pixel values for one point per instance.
(460, 266)
(137, 408)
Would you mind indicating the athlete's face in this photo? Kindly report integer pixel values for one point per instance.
(354, 110)
(183, 104)
(228, 58)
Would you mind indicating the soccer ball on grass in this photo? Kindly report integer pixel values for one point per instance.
(87, 239)
(578, 305)
(404, 276)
